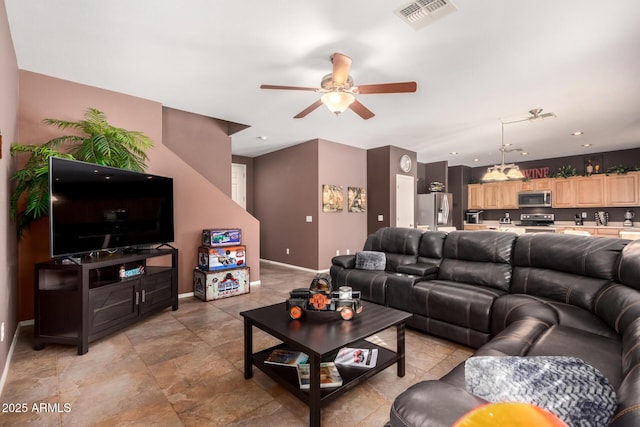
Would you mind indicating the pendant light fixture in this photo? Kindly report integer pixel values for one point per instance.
(511, 171)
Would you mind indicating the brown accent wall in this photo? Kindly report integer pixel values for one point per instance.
(198, 203)
(286, 191)
(340, 231)
(383, 164)
(430, 172)
(458, 177)
(202, 142)
(9, 131)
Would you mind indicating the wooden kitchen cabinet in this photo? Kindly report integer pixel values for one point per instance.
(562, 193)
(508, 196)
(491, 195)
(622, 190)
(475, 196)
(537, 184)
(589, 191)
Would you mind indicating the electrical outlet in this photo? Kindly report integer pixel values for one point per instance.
(347, 251)
(309, 218)
(584, 215)
(2, 332)
(287, 251)
(337, 252)
(380, 218)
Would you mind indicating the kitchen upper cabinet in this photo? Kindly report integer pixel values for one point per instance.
(491, 195)
(589, 191)
(622, 190)
(508, 197)
(475, 196)
(536, 184)
(594, 191)
(494, 195)
(562, 193)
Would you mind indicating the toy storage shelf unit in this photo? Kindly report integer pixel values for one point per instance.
(79, 303)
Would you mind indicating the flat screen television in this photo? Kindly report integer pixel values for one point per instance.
(95, 208)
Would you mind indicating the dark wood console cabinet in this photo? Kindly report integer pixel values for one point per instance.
(79, 303)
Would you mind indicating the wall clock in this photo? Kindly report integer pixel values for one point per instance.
(405, 163)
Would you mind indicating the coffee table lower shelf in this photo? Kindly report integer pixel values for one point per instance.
(287, 376)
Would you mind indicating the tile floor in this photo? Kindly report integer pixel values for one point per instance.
(185, 368)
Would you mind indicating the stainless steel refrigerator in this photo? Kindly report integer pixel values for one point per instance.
(435, 210)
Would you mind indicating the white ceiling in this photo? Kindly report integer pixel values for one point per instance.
(491, 60)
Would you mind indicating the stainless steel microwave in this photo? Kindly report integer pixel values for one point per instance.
(534, 199)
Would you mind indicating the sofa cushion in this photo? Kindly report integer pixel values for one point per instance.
(629, 268)
(461, 304)
(432, 403)
(567, 386)
(371, 283)
(398, 243)
(601, 352)
(478, 258)
(370, 260)
(566, 268)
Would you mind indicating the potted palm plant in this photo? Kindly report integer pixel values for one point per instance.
(95, 141)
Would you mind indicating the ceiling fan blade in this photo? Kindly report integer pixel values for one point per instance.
(341, 68)
(400, 87)
(361, 110)
(309, 109)
(313, 89)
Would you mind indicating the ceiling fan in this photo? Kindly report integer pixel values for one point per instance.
(338, 90)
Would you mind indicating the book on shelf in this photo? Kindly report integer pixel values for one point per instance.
(284, 357)
(359, 357)
(329, 375)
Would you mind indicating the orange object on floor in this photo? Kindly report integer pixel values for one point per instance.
(509, 414)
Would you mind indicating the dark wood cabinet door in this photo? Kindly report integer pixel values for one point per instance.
(112, 305)
(155, 292)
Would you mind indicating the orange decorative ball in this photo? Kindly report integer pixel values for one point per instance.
(509, 414)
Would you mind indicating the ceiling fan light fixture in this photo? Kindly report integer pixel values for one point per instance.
(337, 101)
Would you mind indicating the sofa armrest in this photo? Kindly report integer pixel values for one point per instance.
(344, 261)
(431, 404)
(419, 269)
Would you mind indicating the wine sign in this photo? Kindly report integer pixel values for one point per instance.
(535, 173)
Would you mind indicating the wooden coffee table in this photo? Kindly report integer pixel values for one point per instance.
(321, 335)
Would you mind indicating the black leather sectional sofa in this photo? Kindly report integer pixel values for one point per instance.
(539, 294)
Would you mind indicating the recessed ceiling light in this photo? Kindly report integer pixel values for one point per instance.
(524, 153)
(262, 137)
(476, 160)
(453, 152)
(586, 145)
(577, 133)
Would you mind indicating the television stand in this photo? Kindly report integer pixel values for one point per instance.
(77, 303)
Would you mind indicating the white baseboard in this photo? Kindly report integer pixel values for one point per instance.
(186, 295)
(297, 267)
(14, 341)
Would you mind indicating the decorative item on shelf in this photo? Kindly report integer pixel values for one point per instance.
(628, 218)
(566, 171)
(511, 171)
(618, 170)
(589, 167)
(436, 187)
(602, 218)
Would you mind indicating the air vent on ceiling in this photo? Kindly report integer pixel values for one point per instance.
(421, 13)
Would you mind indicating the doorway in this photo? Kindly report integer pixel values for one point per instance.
(239, 184)
(405, 197)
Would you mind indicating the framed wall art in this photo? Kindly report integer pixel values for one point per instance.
(357, 199)
(332, 198)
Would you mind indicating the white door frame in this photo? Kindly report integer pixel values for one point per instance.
(405, 201)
